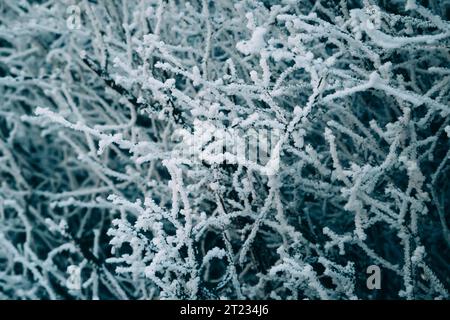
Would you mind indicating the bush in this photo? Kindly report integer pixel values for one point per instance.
(224, 149)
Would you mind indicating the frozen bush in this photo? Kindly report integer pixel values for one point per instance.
(224, 149)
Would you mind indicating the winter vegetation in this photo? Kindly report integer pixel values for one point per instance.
(229, 149)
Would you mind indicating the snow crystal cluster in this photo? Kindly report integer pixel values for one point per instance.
(229, 149)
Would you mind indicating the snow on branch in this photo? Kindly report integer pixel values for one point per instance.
(241, 149)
